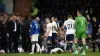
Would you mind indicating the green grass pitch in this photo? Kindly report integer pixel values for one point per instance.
(88, 53)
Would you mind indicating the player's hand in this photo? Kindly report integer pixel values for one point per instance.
(89, 36)
(45, 36)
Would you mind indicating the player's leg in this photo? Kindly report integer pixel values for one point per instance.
(76, 42)
(49, 39)
(71, 42)
(67, 40)
(37, 45)
(33, 44)
(76, 45)
(94, 37)
(98, 44)
(84, 35)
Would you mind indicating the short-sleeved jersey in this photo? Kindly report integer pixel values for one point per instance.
(69, 24)
(54, 24)
(34, 27)
(80, 23)
(49, 27)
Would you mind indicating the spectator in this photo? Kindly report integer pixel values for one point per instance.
(13, 34)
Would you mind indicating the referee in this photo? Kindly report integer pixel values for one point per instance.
(95, 33)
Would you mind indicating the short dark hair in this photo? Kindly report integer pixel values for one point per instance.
(59, 51)
(94, 17)
(79, 11)
(69, 16)
(48, 18)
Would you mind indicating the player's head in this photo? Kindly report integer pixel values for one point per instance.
(56, 19)
(59, 51)
(79, 13)
(70, 17)
(14, 18)
(37, 19)
(47, 20)
(94, 19)
(53, 19)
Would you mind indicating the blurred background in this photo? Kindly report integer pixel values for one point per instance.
(58, 8)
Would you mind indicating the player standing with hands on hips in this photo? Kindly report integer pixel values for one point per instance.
(80, 26)
(34, 33)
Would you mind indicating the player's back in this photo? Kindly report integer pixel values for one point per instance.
(69, 24)
(49, 28)
(80, 23)
(35, 27)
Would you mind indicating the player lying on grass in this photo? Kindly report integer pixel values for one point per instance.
(56, 50)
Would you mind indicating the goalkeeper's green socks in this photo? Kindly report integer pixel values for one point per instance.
(76, 48)
(84, 49)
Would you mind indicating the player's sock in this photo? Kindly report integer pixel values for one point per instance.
(93, 47)
(84, 47)
(38, 47)
(33, 47)
(76, 46)
(83, 53)
(98, 43)
(70, 46)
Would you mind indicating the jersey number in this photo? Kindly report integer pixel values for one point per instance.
(36, 25)
(82, 22)
(70, 26)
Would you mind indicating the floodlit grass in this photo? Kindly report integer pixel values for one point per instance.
(88, 53)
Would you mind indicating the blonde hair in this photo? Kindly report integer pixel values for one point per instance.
(70, 17)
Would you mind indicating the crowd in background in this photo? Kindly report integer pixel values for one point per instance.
(61, 8)
(15, 33)
(15, 29)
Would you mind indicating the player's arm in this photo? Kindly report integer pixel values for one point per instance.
(49, 30)
(31, 28)
(98, 29)
(76, 22)
(55, 26)
(64, 26)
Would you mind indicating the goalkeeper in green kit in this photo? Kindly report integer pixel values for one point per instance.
(80, 26)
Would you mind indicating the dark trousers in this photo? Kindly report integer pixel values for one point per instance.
(4, 44)
(0, 44)
(54, 38)
(26, 42)
(13, 42)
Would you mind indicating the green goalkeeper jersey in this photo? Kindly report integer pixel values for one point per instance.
(80, 23)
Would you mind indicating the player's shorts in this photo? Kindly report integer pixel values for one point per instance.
(54, 36)
(35, 37)
(81, 34)
(49, 38)
(70, 37)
